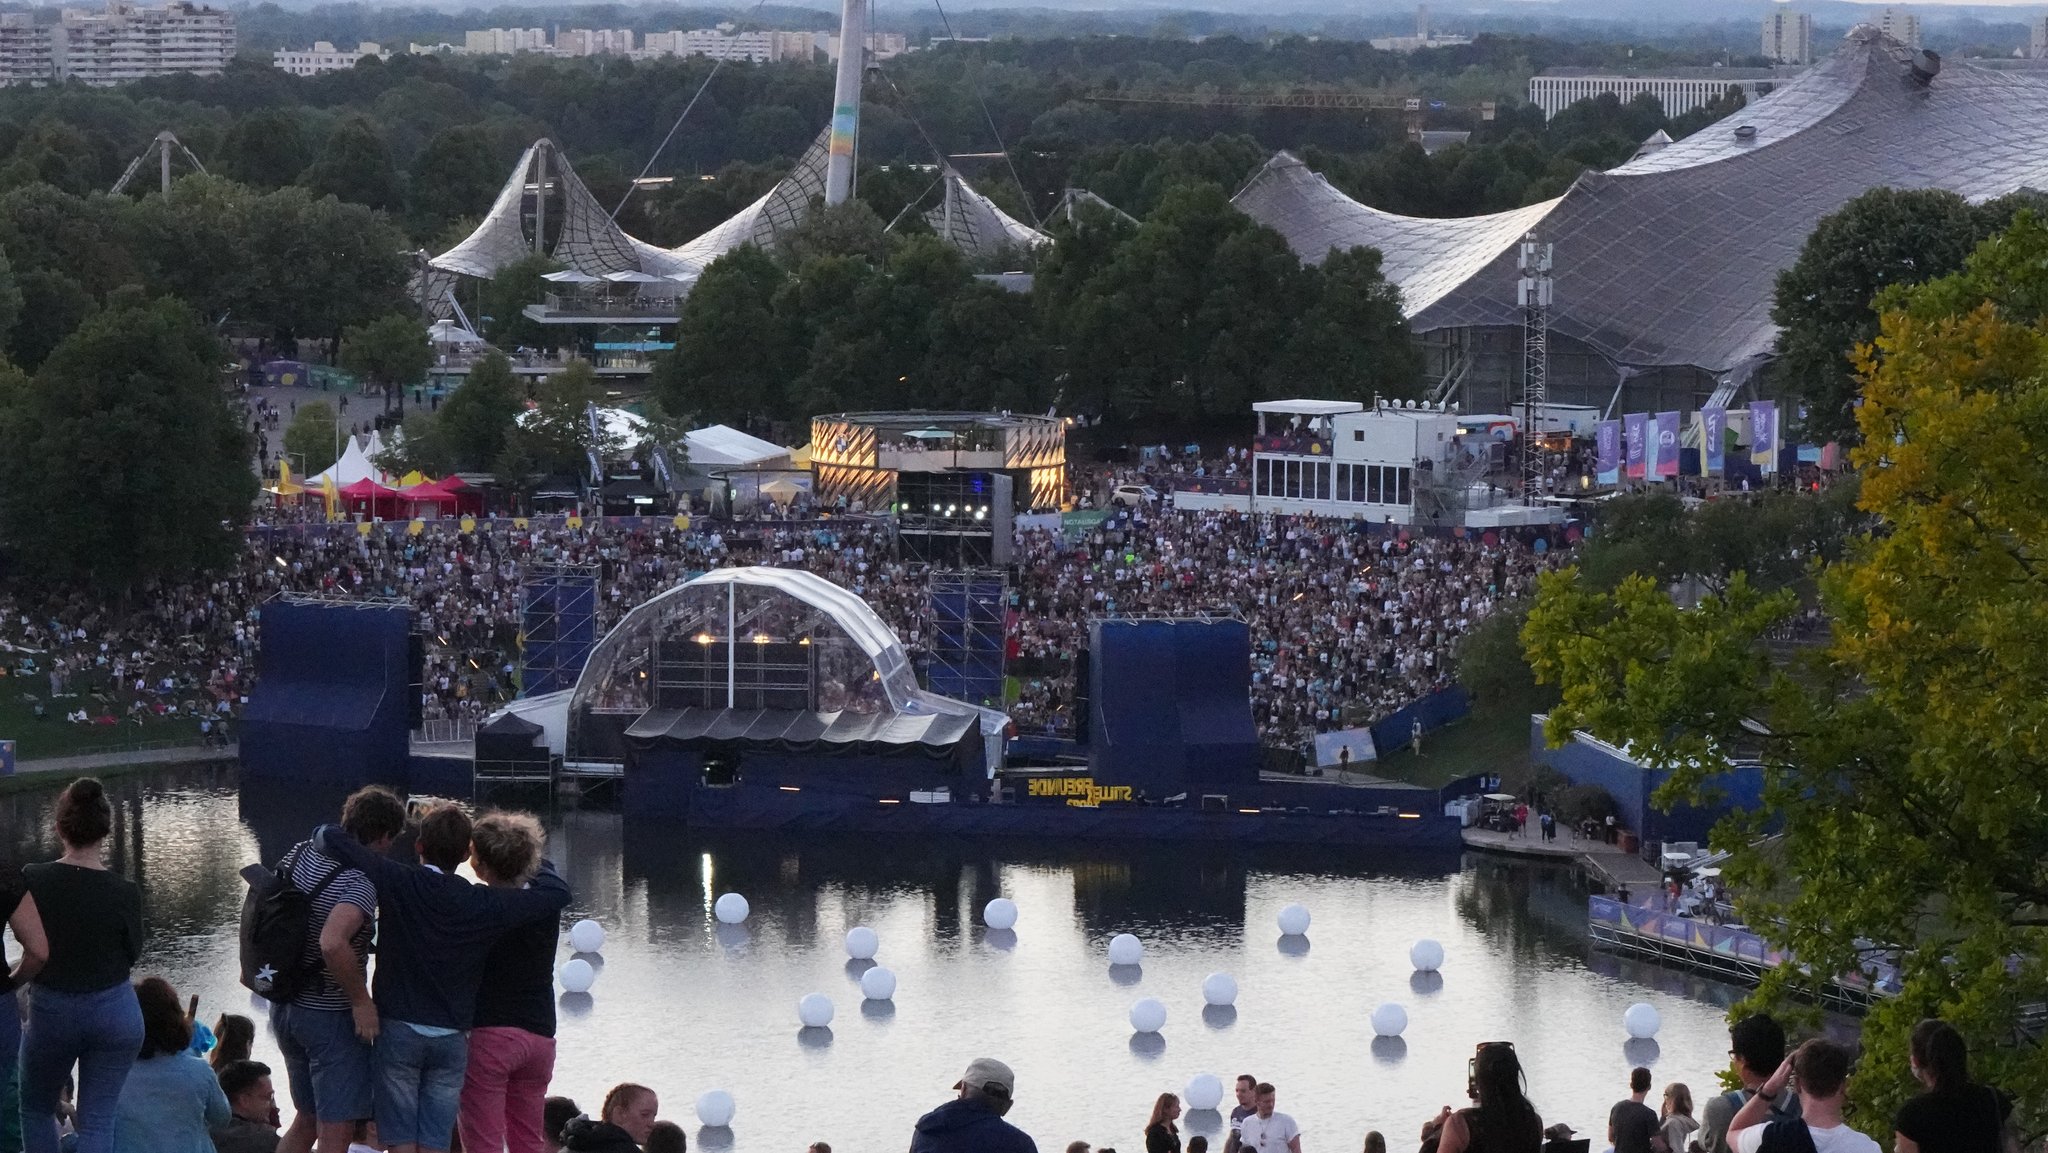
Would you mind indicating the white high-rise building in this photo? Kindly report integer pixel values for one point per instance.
(1900, 25)
(594, 42)
(1788, 37)
(2037, 38)
(24, 50)
(324, 57)
(881, 45)
(1680, 90)
(127, 42)
(503, 41)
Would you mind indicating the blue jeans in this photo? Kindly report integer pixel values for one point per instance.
(328, 1068)
(101, 1033)
(10, 1072)
(419, 1085)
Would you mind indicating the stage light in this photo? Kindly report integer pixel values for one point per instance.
(760, 638)
(702, 638)
(791, 789)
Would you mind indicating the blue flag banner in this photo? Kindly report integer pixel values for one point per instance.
(1714, 424)
(1667, 445)
(1763, 436)
(1607, 442)
(1635, 427)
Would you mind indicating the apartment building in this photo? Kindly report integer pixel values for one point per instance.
(128, 42)
(1788, 37)
(324, 57)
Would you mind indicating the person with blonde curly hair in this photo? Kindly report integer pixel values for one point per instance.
(512, 1044)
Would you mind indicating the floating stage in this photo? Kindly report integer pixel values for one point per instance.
(768, 698)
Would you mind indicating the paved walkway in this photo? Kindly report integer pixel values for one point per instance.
(1603, 860)
(129, 758)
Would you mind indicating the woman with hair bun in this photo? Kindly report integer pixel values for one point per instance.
(81, 1009)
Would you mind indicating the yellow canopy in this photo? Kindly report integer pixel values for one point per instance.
(801, 458)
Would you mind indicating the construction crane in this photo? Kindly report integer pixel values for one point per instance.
(1413, 107)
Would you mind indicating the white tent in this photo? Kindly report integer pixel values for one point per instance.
(353, 466)
(720, 446)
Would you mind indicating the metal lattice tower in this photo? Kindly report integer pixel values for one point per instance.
(160, 147)
(1533, 294)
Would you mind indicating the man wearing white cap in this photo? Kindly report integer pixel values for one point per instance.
(973, 1122)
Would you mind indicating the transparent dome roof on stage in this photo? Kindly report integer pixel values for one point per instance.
(858, 663)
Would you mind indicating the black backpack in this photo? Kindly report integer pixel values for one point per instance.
(276, 920)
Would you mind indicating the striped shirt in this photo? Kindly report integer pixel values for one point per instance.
(307, 867)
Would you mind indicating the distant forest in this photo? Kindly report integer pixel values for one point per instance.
(429, 139)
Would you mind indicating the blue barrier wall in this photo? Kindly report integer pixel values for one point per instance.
(1437, 709)
(1170, 705)
(1585, 762)
(331, 695)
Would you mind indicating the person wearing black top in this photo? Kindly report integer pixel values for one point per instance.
(1503, 1121)
(1161, 1134)
(17, 912)
(512, 1045)
(1956, 1114)
(81, 1009)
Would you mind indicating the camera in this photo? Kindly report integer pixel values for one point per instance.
(1472, 1064)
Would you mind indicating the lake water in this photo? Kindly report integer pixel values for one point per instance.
(686, 1006)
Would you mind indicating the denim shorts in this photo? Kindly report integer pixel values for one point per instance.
(329, 1068)
(419, 1085)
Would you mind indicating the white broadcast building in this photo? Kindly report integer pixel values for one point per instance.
(323, 57)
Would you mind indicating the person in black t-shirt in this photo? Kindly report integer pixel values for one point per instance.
(1631, 1124)
(512, 1041)
(1956, 1114)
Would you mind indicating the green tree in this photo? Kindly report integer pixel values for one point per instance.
(390, 353)
(505, 297)
(850, 229)
(985, 352)
(355, 165)
(312, 441)
(1902, 762)
(52, 306)
(1353, 342)
(1822, 304)
(474, 422)
(120, 460)
(731, 361)
(10, 300)
(265, 149)
(419, 444)
(455, 176)
(556, 437)
(319, 266)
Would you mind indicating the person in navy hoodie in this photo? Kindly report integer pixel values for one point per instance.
(973, 1121)
(434, 935)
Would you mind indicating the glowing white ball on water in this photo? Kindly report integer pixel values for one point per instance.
(1642, 1020)
(815, 1010)
(1219, 989)
(731, 909)
(1000, 913)
(1125, 949)
(861, 943)
(586, 936)
(1294, 920)
(576, 975)
(1148, 1015)
(1426, 955)
(716, 1109)
(1204, 1091)
(1389, 1020)
(878, 984)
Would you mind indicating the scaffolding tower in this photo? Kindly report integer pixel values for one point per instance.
(1533, 294)
(969, 612)
(557, 627)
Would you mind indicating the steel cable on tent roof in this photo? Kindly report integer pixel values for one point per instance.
(717, 66)
(988, 118)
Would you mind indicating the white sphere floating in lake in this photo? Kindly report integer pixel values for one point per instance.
(1642, 1020)
(1000, 913)
(1219, 989)
(878, 984)
(861, 943)
(1294, 920)
(586, 936)
(1204, 1091)
(731, 909)
(1125, 949)
(716, 1108)
(815, 1010)
(1426, 955)
(1389, 1020)
(1148, 1015)
(576, 975)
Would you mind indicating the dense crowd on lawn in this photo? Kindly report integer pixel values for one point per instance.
(451, 1044)
(1346, 626)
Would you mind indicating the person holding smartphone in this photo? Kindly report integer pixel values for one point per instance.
(1820, 1069)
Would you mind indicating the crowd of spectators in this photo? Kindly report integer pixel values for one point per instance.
(1347, 625)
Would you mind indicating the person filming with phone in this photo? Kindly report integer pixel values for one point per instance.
(1500, 1120)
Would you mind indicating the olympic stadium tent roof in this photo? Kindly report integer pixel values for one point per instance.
(1670, 259)
(973, 224)
(586, 238)
(764, 221)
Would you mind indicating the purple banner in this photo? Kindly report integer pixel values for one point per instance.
(1607, 440)
(1667, 444)
(1763, 435)
(1714, 422)
(1635, 427)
